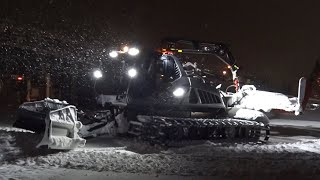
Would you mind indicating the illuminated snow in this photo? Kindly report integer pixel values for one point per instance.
(250, 98)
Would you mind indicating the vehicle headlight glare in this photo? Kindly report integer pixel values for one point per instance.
(179, 92)
(133, 51)
(113, 54)
(132, 73)
(97, 74)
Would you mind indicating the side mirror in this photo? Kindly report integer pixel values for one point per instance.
(219, 86)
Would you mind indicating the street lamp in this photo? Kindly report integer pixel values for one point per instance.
(224, 72)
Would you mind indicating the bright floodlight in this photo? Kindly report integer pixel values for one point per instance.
(133, 51)
(97, 74)
(179, 92)
(113, 54)
(132, 72)
(125, 49)
(224, 72)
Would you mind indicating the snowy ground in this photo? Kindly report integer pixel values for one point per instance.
(309, 119)
(292, 152)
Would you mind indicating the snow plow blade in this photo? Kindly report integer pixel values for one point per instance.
(54, 120)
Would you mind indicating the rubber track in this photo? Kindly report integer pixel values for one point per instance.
(165, 130)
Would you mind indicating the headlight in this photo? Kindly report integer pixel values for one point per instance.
(125, 49)
(113, 54)
(133, 51)
(132, 73)
(179, 92)
(97, 74)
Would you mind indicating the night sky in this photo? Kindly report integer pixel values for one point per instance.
(277, 41)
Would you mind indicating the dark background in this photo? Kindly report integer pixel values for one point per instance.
(276, 40)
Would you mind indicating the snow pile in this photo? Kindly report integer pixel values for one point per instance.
(56, 101)
(7, 143)
(250, 98)
(39, 106)
(248, 114)
(13, 129)
(62, 142)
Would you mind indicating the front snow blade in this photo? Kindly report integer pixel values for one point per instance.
(55, 120)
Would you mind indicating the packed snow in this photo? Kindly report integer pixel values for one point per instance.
(295, 123)
(202, 158)
(109, 156)
(40, 173)
(309, 119)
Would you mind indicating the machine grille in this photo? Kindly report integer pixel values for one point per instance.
(208, 98)
(177, 72)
